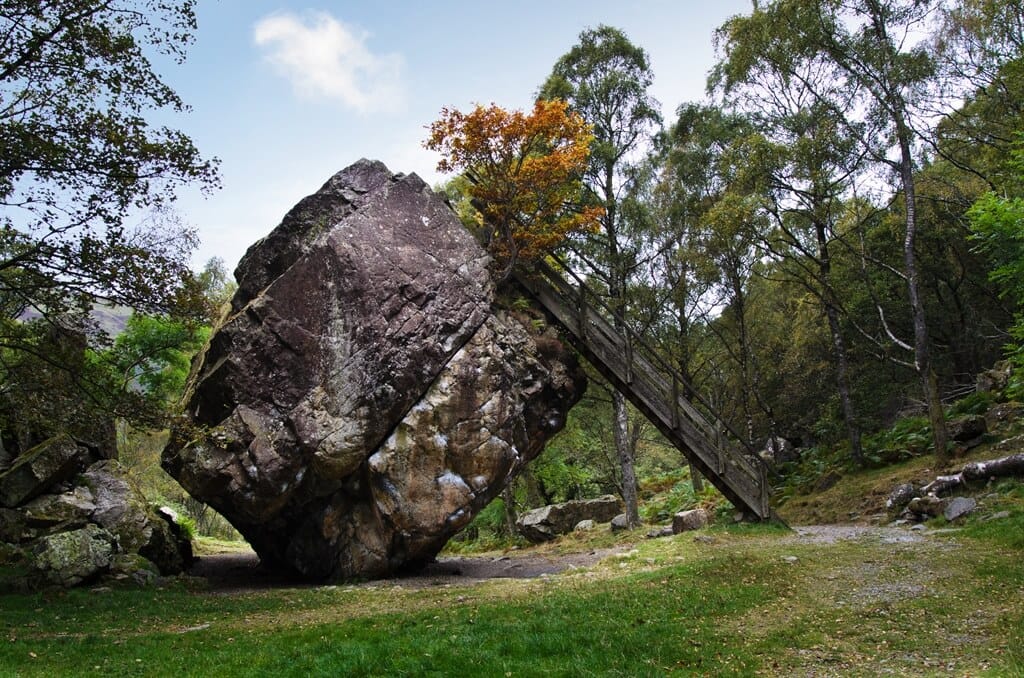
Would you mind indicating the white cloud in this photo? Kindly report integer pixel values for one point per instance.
(324, 58)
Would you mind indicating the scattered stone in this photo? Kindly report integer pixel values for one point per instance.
(999, 515)
(790, 559)
(687, 521)
(547, 522)
(1001, 414)
(704, 539)
(918, 528)
(619, 523)
(959, 507)
(584, 526)
(900, 497)
(967, 429)
(928, 505)
(659, 532)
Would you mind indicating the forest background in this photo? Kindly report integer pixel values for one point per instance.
(828, 243)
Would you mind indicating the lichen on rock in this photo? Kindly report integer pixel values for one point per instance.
(367, 395)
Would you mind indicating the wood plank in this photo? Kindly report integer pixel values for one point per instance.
(654, 393)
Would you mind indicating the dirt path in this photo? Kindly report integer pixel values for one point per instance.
(239, 571)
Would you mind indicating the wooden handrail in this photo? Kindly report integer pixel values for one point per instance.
(653, 385)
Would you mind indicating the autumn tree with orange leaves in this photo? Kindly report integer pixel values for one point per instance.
(524, 172)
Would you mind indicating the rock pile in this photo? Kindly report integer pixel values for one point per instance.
(68, 516)
(367, 395)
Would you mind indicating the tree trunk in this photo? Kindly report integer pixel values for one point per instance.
(508, 497)
(922, 357)
(843, 385)
(838, 345)
(978, 471)
(620, 429)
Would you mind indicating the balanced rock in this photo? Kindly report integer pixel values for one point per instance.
(367, 395)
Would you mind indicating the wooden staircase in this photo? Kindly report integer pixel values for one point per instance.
(652, 385)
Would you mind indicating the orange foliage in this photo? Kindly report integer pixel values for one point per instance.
(525, 173)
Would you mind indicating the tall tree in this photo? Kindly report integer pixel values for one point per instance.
(877, 74)
(80, 161)
(523, 170)
(606, 79)
(805, 158)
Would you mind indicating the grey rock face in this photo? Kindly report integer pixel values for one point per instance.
(36, 470)
(69, 537)
(69, 558)
(547, 522)
(959, 507)
(365, 398)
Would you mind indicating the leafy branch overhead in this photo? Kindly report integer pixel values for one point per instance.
(524, 171)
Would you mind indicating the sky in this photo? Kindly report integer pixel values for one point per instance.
(286, 93)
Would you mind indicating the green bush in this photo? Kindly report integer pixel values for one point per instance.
(976, 403)
(907, 438)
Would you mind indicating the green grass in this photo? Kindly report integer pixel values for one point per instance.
(638, 624)
(744, 600)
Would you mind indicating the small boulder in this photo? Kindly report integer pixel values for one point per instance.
(687, 521)
(995, 379)
(900, 497)
(959, 507)
(968, 428)
(547, 522)
(928, 505)
(585, 526)
(777, 450)
(132, 568)
(52, 513)
(619, 523)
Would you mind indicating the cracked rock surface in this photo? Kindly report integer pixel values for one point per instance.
(366, 396)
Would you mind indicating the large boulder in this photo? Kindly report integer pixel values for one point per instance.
(547, 522)
(367, 395)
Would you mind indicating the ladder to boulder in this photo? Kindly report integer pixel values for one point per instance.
(652, 385)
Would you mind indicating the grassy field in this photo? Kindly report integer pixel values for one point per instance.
(742, 601)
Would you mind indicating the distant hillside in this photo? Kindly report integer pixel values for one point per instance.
(110, 319)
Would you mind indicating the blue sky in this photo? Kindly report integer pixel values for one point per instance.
(286, 93)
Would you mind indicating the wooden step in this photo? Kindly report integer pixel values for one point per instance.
(652, 387)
